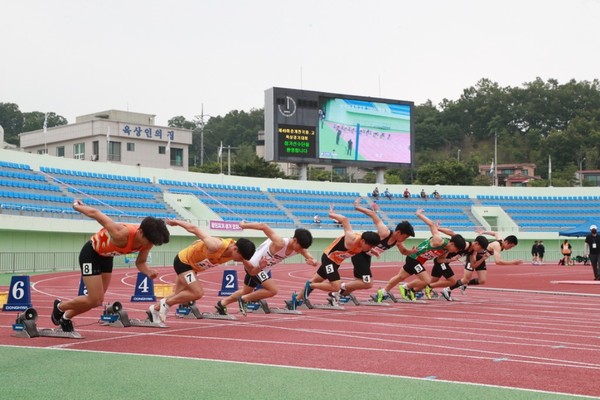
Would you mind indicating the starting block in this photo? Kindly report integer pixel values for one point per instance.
(394, 299)
(114, 315)
(371, 302)
(311, 306)
(190, 310)
(263, 306)
(25, 327)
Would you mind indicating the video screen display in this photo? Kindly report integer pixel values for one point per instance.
(296, 141)
(361, 130)
(309, 127)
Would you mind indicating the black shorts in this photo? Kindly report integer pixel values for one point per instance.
(481, 267)
(442, 269)
(362, 267)
(92, 263)
(328, 269)
(412, 266)
(180, 267)
(258, 279)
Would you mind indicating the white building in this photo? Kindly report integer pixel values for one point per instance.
(119, 137)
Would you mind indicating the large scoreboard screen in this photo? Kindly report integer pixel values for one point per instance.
(325, 128)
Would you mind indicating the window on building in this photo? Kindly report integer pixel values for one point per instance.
(130, 146)
(95, 150)
(162, 150)
(114, 151)
(42, 151)
(60, 151)
(176, 157)
(79, 151)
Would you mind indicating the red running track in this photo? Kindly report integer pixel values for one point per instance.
(519, 330)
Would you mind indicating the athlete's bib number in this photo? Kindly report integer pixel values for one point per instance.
(419, 268)
(468, 267)
(190, 277)
(86, 269)
(262, 276)
(329, 269)
(366, 278)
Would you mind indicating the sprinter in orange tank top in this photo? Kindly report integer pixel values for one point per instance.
(96, 259)
(327, 277)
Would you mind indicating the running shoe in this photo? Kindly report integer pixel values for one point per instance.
(66, 325)
(463, 289)
(405, 293)
(381, 295)
(334, 299)
(434, 294)
(164, 310)
(447, 294)
(243, 306)
(411, 294)
(153, 315)
(221, 309)
(428, 291)
(56, 313)
(307, 289)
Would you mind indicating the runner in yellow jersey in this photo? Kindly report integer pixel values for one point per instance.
(205, 253)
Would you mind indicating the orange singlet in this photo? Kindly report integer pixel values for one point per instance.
(337, 251)
(103, 246)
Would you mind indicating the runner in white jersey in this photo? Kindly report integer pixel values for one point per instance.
(272, 251)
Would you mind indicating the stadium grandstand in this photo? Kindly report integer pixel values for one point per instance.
(41, 232)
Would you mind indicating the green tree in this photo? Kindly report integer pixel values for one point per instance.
(181, 122)
(445, 172)
(33, 121)
(258, 168)
(11, 119)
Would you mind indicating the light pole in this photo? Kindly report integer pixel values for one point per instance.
(458, 156)
(201, 123)
(580, 171)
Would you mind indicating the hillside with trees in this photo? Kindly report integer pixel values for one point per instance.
(532, 122)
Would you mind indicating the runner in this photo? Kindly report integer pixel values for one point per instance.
(271, 252)
(96, 259)
(205, 253)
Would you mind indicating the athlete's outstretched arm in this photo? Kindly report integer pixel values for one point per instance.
(212, 243)
(382, 230)
(119, 234)
(277, 240)
(349, 236)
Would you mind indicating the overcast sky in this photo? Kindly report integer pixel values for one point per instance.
(169, 58)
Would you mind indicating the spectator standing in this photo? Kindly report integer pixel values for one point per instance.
(374, 206)
(592, 250)
(534, 252)
(541, 250)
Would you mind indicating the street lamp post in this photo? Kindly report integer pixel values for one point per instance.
(458, 155)
(580, 171)
(202, 124)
